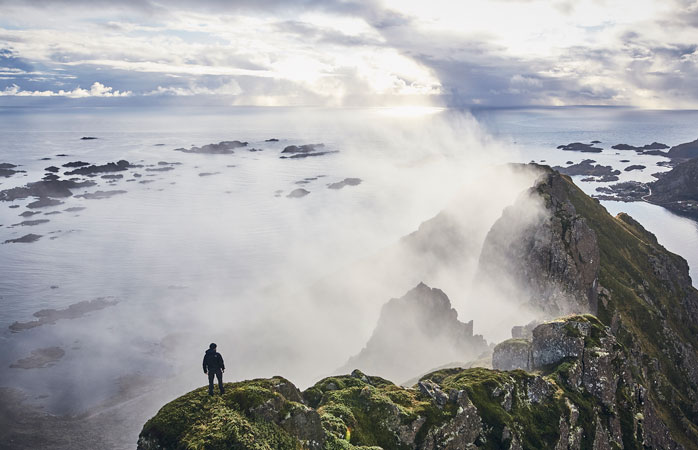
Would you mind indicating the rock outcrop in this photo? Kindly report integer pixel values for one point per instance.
(626, 377)
(587, 167)
(684, 151)
(416, 333)
(580, 147)
(677, 190)
(584, 399)
(221, 148)
(543, 252)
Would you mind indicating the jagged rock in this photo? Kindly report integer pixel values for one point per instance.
(543, 249)
(634, 167)
(416, 333)
(118, 166)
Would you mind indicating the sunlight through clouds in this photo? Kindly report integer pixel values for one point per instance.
(375, 53)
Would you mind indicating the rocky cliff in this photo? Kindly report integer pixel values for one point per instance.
(677, 190)
(584, 396)
(416, 333)
(626, 377)
(543, 252)
(633, 284)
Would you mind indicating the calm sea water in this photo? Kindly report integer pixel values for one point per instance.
(174, 249)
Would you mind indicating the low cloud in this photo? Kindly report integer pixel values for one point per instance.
(96, 90)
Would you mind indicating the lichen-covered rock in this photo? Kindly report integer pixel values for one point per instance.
(555, 341)
(513, 354)
(258, 414)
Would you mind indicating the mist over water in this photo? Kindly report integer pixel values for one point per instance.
(288, 286)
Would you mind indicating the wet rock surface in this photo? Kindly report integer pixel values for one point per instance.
(587, 167)
(7, 170)
(98, 195)
(298, 193)
(221, 148)
(642, 149)
(40, 358)
(345, 182)
(580, 147)
(30, 223)
(74, 311)
(118, 166)
(53, 189)
(26, 239)
(306, 150)
(628, 191)
(44, 203)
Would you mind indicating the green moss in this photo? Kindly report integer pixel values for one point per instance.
(626, 271)
(199, 421)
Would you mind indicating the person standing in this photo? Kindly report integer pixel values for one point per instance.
(214, 366)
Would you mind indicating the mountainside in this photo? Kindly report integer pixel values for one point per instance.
(543, 253)
(416, 333)
(677, 190)
(585, 397)
(627, 379)
(687, 150)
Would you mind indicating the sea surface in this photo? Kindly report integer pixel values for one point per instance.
(193, 246)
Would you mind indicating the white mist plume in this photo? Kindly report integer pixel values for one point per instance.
(327, 265)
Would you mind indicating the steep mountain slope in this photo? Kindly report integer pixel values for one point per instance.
(586, 397)
(628, 379)
(644, 293)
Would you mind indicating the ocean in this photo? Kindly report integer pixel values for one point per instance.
(195, 244)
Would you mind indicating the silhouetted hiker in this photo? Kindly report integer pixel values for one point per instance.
(213, 365)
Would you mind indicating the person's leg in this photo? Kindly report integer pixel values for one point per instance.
(210, 382)
(219, 375)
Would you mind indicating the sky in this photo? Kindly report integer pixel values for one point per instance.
(474, 53)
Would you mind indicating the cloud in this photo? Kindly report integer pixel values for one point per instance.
(505, 53)
(229, 88)
(96, 90)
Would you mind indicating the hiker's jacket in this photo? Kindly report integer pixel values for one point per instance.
(213, 361)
